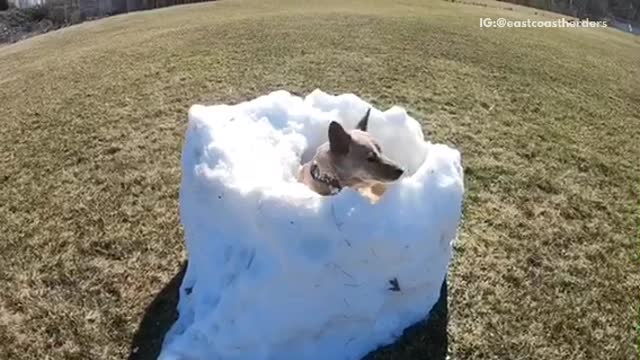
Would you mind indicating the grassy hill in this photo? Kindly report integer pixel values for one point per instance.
(548, 121)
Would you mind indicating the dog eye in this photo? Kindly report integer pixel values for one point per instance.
(372, 157)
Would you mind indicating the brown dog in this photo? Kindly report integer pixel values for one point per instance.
(350, 159)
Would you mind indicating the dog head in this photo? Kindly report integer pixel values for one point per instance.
(357, 156)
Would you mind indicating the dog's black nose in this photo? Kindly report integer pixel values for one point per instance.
(399, 172)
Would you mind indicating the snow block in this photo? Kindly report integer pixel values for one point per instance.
(278, 272)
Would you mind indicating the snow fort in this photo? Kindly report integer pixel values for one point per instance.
(278, 272)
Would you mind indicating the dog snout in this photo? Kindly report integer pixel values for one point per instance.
(393, 172)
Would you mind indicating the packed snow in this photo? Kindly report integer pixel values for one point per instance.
(276, 271)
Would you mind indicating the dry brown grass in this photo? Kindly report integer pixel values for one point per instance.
(548, 122)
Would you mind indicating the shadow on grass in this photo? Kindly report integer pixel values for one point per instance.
(157, 319)
(424, 340)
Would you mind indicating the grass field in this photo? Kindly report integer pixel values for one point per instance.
(548, 121)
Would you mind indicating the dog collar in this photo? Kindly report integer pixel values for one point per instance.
(332, 183)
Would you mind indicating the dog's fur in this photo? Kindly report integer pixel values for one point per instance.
(350, 159)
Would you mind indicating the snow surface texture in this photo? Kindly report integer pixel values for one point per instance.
(279, 272)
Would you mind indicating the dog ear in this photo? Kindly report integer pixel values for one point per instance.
(339, 139)
(364, 122)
